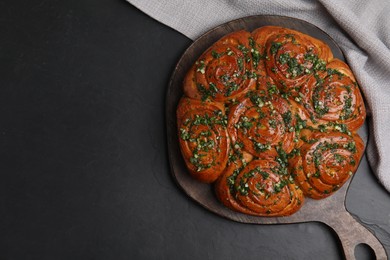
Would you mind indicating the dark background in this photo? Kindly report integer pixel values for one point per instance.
(84, 162)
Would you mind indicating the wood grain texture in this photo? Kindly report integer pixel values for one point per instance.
(330, 211)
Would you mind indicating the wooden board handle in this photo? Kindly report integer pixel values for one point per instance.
(352, 233)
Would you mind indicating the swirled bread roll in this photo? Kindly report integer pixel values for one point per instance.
(259, 188)
(330, 97)
(325, 161)
(258, 123)
(224, 71)
(290, 56)
(204, 139)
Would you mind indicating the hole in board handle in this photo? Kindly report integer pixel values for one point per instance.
(364, 252)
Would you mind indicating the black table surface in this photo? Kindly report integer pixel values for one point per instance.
(84, 161)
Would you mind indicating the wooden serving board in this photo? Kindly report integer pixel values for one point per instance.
(331, 211)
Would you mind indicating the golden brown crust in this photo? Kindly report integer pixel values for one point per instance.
(270, 117)
(290, 56)
(256, 189)
(325, 162)
(331, 97)
(256, 124)
(203, 138)
(223, 71)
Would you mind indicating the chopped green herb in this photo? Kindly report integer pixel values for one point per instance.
(244, 51)
(232, 87)
(275, 46)
(284, 58)
(287, 117)
(272, 89)
(331, 72)
(207, 93)
(347, 109)
(202, 67)
(311, 141)
(240, 63)
(243, 188)
(339, 158)
(319, 105)
(352, 161)
(318, 64)
(232, 179)
(259, 147)
(351, 146)
(216, 55)
(256, 99)
(272, 123)
(251, 74)
(280, 185)
(184, 135)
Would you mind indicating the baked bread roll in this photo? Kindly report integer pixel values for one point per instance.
(261, 188)
(270, 117)
(258, 123)
(330, 97)
(290, 56)
(325, 162)
(203, 138)
(224, 71)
